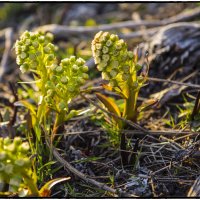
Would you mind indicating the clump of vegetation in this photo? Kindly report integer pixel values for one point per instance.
(119, 66)
(16, 166)
(58, 84)
(16, 170)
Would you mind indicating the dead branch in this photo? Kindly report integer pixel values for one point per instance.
(64, 32)
(76, 172)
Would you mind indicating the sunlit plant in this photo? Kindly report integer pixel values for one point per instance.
(58, 83)
(16, 170)
(120, 68)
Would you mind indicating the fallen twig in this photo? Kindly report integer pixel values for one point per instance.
(76, 172)
(174, 82)
(64, 32)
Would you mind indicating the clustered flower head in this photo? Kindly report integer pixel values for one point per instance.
(65, 81)
(59, 83)
(14, 161)
(35, 52)
(113, 59)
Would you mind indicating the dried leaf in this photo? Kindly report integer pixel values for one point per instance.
(45, 191)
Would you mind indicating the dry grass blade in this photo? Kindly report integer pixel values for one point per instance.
(195, 189)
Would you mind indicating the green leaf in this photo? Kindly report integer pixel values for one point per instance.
(46, 189)
(27, 105)
(30, 107)
(111, 106)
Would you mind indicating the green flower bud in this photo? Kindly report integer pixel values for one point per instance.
(35, 44)
(41, 39)
(109, 43)
(49, 36)
(25, 147)
(125, 77)
(113, 83)
(114, 37)
(34, 64)
(11, 147)
(65, 61)
(101, 66)
(71, 88)
(47, 50)
(106, 76)
(19, 162)
(50, 92)
(113, 73)
(97, 60)
(28, 42)
(80, 61)
(7, 141)
(80, 80)
(53, 78)
(17, 141)
(115, 64)
(119, 44)
(59, 69)
(115, 52)
(98, 46)
(32, 56)
(24, 68)
(105, 49)
(106, 57)
(75, 68)
(27, 162)
(99, 34)
(106, 35)
(26, 34)
(50, 57)
(33, 36)
(130, 54)
(49, 85)
(51, 46)
(2, 155)
(8, 169)
(72, 59)
(23, 55)
(84, 68)
(64, 80)
(18, 49)
(85, 76)
(126, 69)
(2, 167)
(98, 53)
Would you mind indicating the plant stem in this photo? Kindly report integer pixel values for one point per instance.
(59, 119)
(31, 184)
(130, 113)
